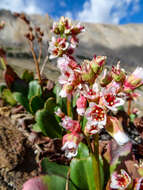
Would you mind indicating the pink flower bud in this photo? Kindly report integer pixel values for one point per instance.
(35, 183)
(81, 105)
(70, 144)
(71, 125)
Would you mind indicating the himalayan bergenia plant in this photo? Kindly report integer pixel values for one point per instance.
(92, 103)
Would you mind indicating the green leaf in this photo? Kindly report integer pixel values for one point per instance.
(82, 173)
(35, 103)
(83, 151)
(84, 123)
(48, 124)
(36, 128)
(21, 100)
(8, 97)
(132, 117)
(20, 86)
(75, 99)
(28, 76)
(54, 168)
(55, 182)
(2, 87)
(50, 105)
(34, 89)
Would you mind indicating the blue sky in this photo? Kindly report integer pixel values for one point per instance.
(96, 11)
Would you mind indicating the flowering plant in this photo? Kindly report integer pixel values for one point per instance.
(86, 101)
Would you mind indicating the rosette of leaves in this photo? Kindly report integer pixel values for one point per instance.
(81, 173)
(36, 99)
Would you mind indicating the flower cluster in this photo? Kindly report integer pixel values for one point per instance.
(97, 96)
(67, 39)
(74, 136)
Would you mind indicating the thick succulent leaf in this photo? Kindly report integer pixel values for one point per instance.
(82, 173)
(55, 182)
(36, 128)
(48, 124)
(83, 151)
(34, 89)
(8, 97)
(20, 86)
(28, 76)
(54, 168)
(35, 103)
(2, 87)
(14, 83)
(10, 76)
(21, 100)
(50, 105)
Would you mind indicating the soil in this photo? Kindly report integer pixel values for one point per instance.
(17, 158)
(21, 150)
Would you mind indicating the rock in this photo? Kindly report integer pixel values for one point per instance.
(118, 42)
(17, 159)
(11, 146)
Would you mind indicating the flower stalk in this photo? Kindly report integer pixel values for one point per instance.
(97, 164)
(36, 62)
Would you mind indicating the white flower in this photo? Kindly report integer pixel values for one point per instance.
(120, 181)
(92, 129)
(70, 149)
(110, 99)
(96, 115)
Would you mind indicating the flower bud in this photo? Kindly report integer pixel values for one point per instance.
(106, 79)
(118, 74)
(70, 144)
(66, 90)
(81, 105)
(35, 183)
(115, 129)
(59, 113)
(87, 73)
(134, 80)
(97, 63)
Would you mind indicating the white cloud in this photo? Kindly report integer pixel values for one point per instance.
(107, 11)
(27, 6)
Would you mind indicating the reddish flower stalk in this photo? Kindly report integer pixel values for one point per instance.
(35, 61)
